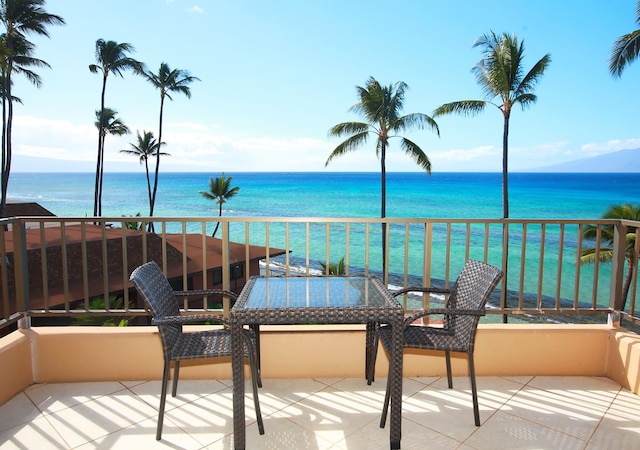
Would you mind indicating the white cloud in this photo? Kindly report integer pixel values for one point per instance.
(196, 9)
(206, 147)
(192, 146)
(483, 158)
(613, 145)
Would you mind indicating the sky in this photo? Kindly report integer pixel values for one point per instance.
(276, 76)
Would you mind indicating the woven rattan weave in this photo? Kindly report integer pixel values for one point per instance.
(303, 300)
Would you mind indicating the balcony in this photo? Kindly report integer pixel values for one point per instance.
(519, 412)
(562, 372)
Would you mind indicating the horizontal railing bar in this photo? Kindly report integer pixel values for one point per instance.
(546, 267)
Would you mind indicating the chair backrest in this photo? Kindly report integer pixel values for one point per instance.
(157, 293)
(471, 291)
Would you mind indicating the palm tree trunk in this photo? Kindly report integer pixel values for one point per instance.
(97, 207)
(146, 168)
(627, 282)
(215, 230)
(383, 211)
(3, 171)
(155, 180)
(101, 175)
(97, 183)
(505, 207)
(6, 163)
(505, 167)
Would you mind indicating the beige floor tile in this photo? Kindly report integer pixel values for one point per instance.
(571, 405)
(188, 391)
(132, 383)
(333, 414)
(54, 397)
(519, 379)
(620, 426)
(508, 432)
(280, 434)
(210, 418)
(97, 418)
(19, 410)
(142, 436)
(277, 394)
(329, 414)
(36, 434)
(450, 411)
(414, 437)
(427, 381)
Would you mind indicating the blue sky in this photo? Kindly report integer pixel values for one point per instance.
(275, 76)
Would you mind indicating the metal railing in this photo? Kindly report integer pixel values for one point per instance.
(53, 266)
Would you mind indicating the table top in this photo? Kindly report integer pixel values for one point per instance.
(338, 299)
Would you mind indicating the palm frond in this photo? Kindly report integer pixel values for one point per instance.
(350, 144)
(111, 57)
(418, 121)
(588, 255)
(464, 107)
(625, 50)
(531, 79)
(414, 151)
(525, 100)
(348, 128)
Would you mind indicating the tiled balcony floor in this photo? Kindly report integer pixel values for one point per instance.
(516, 412)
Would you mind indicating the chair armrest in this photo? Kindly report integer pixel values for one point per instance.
(190, 318)
(434, 290)
(438, 311)
(205, 292)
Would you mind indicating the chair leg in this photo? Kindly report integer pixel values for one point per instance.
(176, 374)
(387, 397)
(255, 376)
(163, 397)
(256, 331)
(474, 390)
(449, 377)
(371, 353)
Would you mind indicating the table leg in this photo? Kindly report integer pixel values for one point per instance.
(397, 338)
(237, 368)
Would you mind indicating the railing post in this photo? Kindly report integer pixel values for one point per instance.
(226, 267)
(617, 272)
(21, 272)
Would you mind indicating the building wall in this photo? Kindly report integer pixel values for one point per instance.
(76, 354)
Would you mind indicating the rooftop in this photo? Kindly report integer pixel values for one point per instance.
(341, 413)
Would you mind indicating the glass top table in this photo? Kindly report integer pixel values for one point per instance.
(316, 299)
(315, 292)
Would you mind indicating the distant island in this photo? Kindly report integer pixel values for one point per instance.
(621, 161)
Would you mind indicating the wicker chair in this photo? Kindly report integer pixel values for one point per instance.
(177, 345)
(462, 311)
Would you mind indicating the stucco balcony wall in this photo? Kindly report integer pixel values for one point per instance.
(81, 354)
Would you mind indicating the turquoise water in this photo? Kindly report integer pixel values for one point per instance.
(442, 195)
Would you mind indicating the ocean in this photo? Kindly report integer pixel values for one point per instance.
(330, 194)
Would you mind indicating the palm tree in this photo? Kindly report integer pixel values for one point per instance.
(604, 252)
(107, 123)
(625, 49)
(220, 191)
(166, 81)
(111, 57)
(20, 18)
(500, 73)
(381, 106)
(146, 148)
(334, 268)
